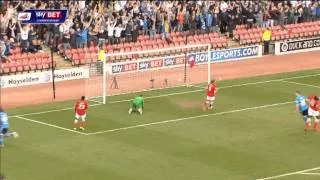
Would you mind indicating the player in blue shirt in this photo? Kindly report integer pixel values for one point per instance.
(4, 127)
(302, 107)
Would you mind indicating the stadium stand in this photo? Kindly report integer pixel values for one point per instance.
(123, 26)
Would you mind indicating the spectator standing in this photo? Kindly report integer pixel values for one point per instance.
(152, 27)
(56, 36)
(145, 23)
(73, 39)
(223, 21)
(305, 13)
(209, 19)
(281, 16)
(32, 40)
(84, 33)
(317, 10)
(180, 19)
(66, 41)
(117, 32)
(24, 31)
(128, 31)
(250, 18)
(3, 22)
(110, 28)
(266, 40)
(4, 52)
(93, 32)
(166, 29)
(193, 22)
(202, 24)
(12, 28)
(78, 35)
(299, 15)
(135, 29)
(231, 25)
(291, 15)
(259, 18)
(313, 9)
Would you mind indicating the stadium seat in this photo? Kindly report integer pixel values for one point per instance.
(25, 64)
(5, 68)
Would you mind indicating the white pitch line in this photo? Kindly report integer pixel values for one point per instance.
(49, 111)
(51, 125)
(178, 93)
(290, 174)
(191, 117)
(318, 174)
(302, 84)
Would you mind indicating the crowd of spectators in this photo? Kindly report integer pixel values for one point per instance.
(110, 22)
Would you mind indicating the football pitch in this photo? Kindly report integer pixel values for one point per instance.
(252, 133)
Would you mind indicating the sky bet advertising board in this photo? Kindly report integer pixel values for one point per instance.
(224, 55)
(35, 16)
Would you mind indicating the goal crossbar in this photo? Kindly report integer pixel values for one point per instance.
(158, 50)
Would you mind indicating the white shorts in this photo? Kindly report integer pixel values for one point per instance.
(313, 113)
(211, 98)
(81, 117)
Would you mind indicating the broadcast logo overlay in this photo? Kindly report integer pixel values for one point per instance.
(35, 16)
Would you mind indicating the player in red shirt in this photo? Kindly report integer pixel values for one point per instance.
(313, 111)
(211, 92)
(81, 113)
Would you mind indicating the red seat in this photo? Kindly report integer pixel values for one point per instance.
(19, 66)
(25, 64)
(6, 68)
(13, 67)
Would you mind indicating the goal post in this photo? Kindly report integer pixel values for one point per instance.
(96, 84)
(139, 70)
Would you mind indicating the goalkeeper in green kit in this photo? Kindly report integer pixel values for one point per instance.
(137, 105)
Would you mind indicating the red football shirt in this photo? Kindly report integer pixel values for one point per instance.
(211, 90)
(314, 104)
(81, 107)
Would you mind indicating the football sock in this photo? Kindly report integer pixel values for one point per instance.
(211, 105)
(82, 123)
(315, 125)
(75, 124)
(8, 134)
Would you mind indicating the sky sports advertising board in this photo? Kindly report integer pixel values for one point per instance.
(295, 46)
(35, 16)
(178, 61)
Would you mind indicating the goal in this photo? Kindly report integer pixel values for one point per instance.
(145, 70)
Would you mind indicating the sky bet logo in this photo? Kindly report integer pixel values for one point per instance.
(49, 15)
(34, 16)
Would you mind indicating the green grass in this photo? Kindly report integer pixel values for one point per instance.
(241, 139)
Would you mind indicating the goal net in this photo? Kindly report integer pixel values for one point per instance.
(96, 83)
(144, 70)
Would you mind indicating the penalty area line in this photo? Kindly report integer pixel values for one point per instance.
(316, 174)
(302, 84)
(188, 118)
(290, 174)
(50, 125)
